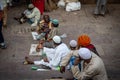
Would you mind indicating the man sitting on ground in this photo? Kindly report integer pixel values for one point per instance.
(44, 22)
(85, 41)
(53, 55)
(92, 67)
(48, 33)
(69, 60)
(32, 13)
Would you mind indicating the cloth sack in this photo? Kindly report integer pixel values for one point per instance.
(61, 3)
(73, 6)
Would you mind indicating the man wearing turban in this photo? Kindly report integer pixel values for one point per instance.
(85, 41)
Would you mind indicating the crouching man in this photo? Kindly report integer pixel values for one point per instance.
(32, 15)
(35, 15)
(92, 66)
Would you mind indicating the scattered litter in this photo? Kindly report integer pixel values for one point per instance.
(57, 68)
(75, 13)
(34, 68)
(63, 35)
(43, 70)
(33, 50)
(34, 34)
(61, 4)
(73, 6)
(39, 69)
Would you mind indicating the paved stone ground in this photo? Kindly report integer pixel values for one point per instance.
(104, 32)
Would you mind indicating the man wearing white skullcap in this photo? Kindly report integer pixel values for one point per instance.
(92, 66)
(73, 43)
(57, 39)
(54, 55)
(85, 53)
(69, 60)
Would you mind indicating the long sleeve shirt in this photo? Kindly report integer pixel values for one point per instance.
(4, 3)
(35, 14)
(65, 61)
(95, 69)
(56, 55)
(52, 33)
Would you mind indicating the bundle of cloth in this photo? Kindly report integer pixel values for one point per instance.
(70, 5)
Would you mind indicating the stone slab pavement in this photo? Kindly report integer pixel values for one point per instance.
(104, 32)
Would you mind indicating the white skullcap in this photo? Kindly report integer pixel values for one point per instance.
(84, 53)
(73, 43)
(57, 39)
(30, 6)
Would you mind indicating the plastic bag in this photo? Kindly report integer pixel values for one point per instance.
(61, 3)
(63, 35)
(73, 6)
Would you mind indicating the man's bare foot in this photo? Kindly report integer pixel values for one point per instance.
(28, 60)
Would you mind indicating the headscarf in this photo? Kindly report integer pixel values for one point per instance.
(83, 40)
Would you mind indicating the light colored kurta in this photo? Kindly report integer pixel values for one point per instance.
(54, 55)
(1, 6)
(53, 32)
(65, 61)
(36, 15)
(4, 3)
(95, 69)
